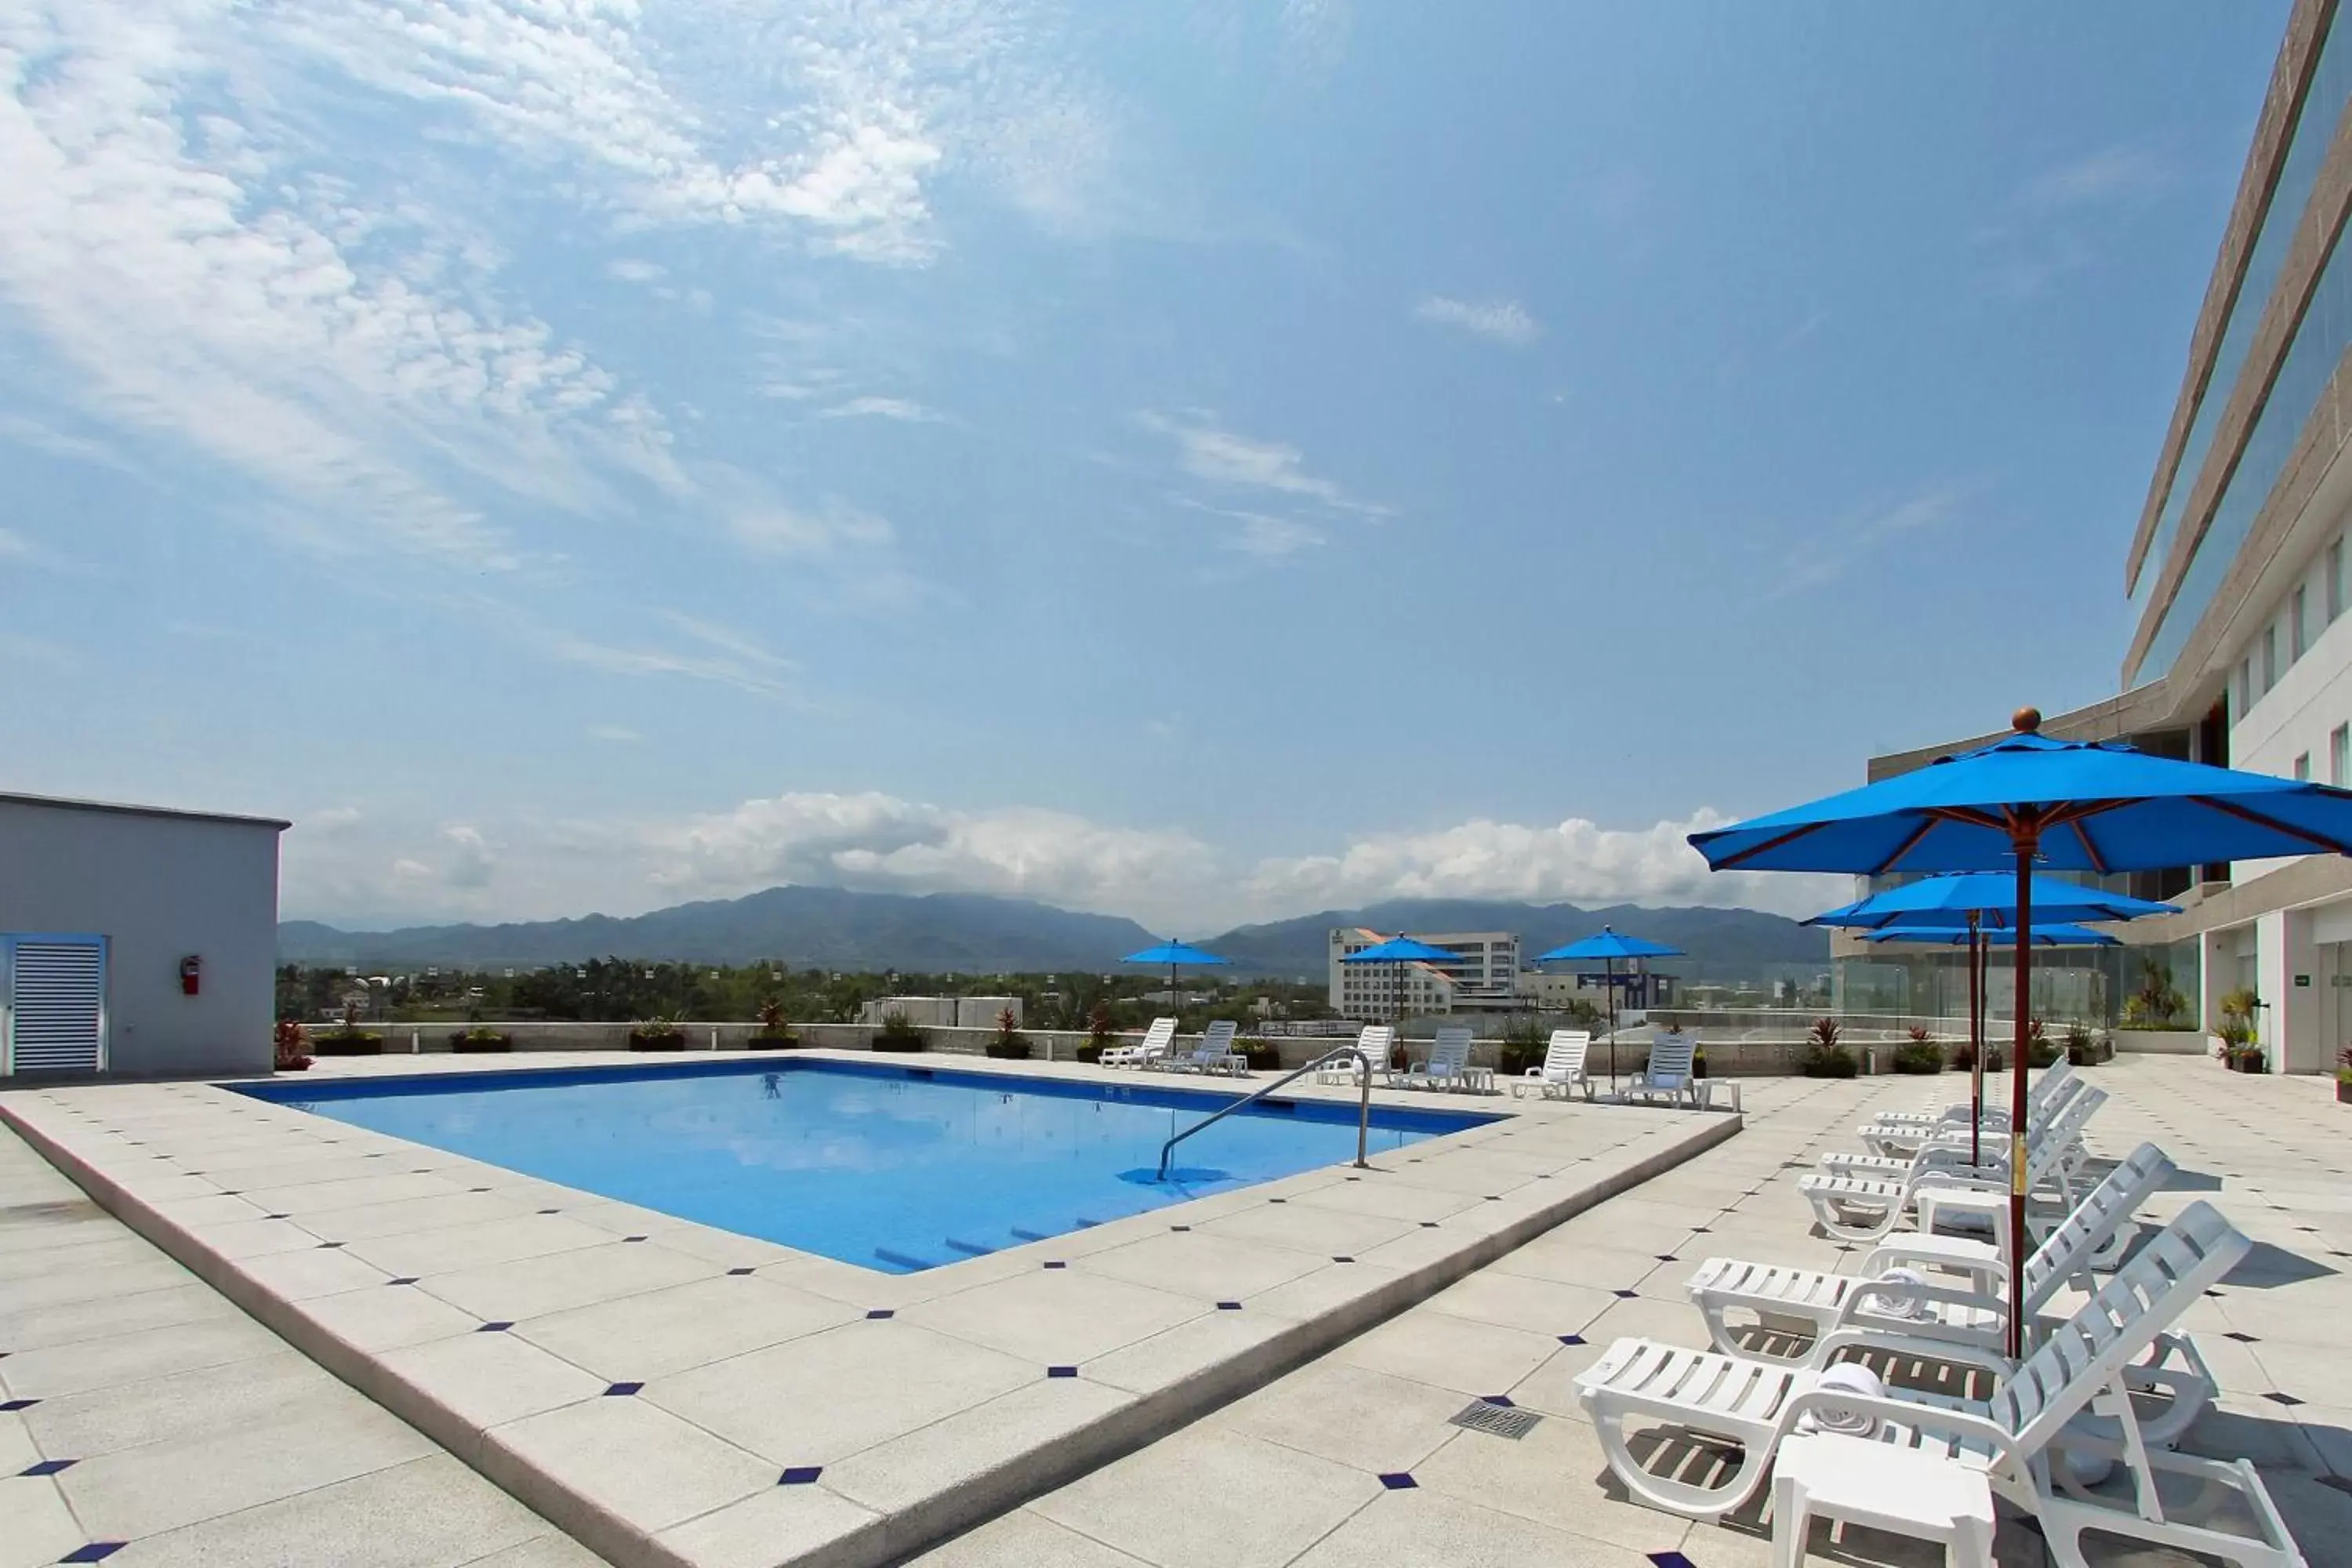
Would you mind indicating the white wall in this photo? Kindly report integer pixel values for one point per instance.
(157, 888)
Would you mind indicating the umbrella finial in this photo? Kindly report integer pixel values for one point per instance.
(2025, 720)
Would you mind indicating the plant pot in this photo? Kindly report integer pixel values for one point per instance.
(897, 1042)
(772, 1043)
(1262, 1058)
(465, 1047)
(1008, 1051)
(302, 1064)
(2344, 1091)
(641, 1041)
(362, 1045)
(1090, 1052)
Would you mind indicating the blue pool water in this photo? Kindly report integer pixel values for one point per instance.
(894, 1168)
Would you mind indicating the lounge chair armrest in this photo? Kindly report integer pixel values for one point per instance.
(1865, 1295)
(1925, 1416)
(1939, 1251)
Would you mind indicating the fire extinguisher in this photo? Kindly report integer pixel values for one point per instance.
(191, 969)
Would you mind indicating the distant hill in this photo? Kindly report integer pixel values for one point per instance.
(1719, 942)
(823, 928)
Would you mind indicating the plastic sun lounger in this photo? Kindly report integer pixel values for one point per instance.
(1146, 1052)
(1668, 1074)
(1861, 1208)
(1375, 1040)
(2051, 1081)
(1214, 1053)
(2046, 1401)
(1447, 1066)
(1953, 1152)
(1962, 1305)
(1563, 1071)
(2045, 1098)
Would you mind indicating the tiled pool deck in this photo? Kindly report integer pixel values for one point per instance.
(668, 1393)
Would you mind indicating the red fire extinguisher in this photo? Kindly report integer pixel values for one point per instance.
(191, 969)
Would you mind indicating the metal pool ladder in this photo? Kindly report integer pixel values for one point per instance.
(1363, 1110)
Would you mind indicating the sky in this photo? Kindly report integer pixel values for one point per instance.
(1205, 462)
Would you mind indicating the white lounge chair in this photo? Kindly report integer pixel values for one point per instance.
(2044, 1097)
(1962, 1303)
(1563, 1071)
(1376, 1041)
(1447, 1065)
(1668, 1074)
(1214, 1053)
(2046, 1403)
(2052, 1078)
(1864, 1208)
(1952, 1153)
(1146, 1052)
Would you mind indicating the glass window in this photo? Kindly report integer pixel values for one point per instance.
(2301, 775)
(2245, 686)
(2335, 589)
(2297, 642)
(2339, 756)
(2269, 658)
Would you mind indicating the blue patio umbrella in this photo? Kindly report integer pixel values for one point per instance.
(1967, 900)
(1174, 954)
(1606, 945)
(1401, 951)
(2027, 800)
(2050, 933)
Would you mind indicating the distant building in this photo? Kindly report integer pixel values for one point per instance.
(1481, 977)
(943, 1012)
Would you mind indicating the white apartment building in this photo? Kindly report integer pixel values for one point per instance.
(1483, 974)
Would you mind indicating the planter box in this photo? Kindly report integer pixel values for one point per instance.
(355, 1045)
(1003, 1051)
(2343, 1092)
(772, 1043)
(897, 1043)
(639, 1041)
(462, 1046)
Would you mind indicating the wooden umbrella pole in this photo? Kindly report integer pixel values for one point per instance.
(2027, 841)
(1976, 1041)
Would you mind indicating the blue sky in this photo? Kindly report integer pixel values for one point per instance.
(1205, 462)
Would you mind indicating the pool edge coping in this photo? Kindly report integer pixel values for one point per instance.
(954, 1508)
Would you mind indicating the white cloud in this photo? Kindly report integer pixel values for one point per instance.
(632, 269)
(1208, 451)
(1826, 553)
(538, 866)
(828, 534)
(40, 437)
(16, 546)
(1272, 538)
(613, 734)
(1574, 861)
(1497, 320)
(880, 408)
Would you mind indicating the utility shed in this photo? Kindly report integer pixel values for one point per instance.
(135, 939)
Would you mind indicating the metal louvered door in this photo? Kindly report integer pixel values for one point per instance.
(55, 992)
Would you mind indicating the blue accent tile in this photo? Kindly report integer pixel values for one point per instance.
(738, 1271)
(1179, 1227)
(1058, 1264)
(329, 1246)
(273, 1216)
(1665, 1258)
(1343, 1260)
(96, 1551)
(477, 1189)
(1061, 1372)
(800, 1476)
(48, 1466)
(1277, 1200)
(1502, 1399)
(632, 1238)
(878, 1314)
(1671, 1560)
(1494, 1197)
(404, 1280)
(1571, 1339)
(550, 1211)
(1624, 1295)
(498, 1328)
(622, 1390)
(2281, 1399)
(1229, 1306)
(1398, 1481)
(1429, 1225)
(2244, 1339)
(17, 1404)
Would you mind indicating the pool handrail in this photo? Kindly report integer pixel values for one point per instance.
(1363, 1113)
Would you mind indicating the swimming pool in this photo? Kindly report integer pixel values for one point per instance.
(893, 1168)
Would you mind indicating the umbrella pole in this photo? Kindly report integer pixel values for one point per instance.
(1976, 1041)
(1610, 964)
(2027, 841)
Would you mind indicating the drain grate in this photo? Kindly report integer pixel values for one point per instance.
(1498, 1420)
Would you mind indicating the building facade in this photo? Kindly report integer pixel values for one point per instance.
(2241, 651)
(1481, 977)
(135, 939)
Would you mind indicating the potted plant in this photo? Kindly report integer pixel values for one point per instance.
(287, 1043)
(2081, 1049)
(899, 1033)
(1010, 1045)
(657, 1033)
(775, 1029)
(1824, 1057)
(1919, 1054)
(2038, 1050)
(348, 1039)
(2344, 1076)
(480, 1038)
(1263, 1056)
(1522, 1046)
(1099, 1035)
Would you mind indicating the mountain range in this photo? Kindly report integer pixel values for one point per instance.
(832, 928)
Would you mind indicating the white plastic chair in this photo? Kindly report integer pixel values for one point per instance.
(1376, 1041)
(1214, 1053)
(1951, 1152)
(1563, 1071)
(1447, 1066)
(1864, 1209)
(1146, 1052)
(1668, 1074)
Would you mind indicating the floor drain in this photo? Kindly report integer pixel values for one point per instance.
(1498, 1420)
